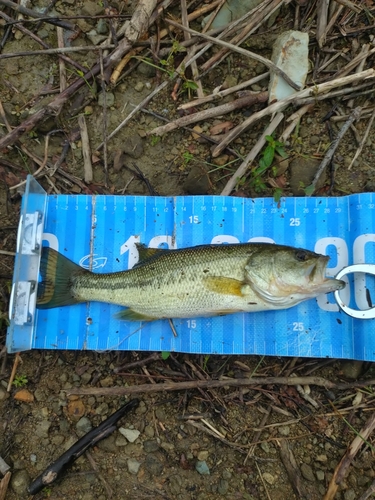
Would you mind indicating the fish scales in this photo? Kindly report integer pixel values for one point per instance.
(159, 287)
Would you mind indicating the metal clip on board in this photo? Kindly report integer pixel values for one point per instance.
(355, 313)
(26, 267)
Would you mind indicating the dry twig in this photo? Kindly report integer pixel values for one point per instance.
(280, 105)
(86, 150)
(231, 184)
(269, 64)
(209, 113)
(331, 150)
(342, 469)
(210, 384)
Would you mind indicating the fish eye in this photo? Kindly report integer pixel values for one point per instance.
(301, 255)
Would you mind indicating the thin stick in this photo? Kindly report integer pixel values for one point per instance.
(280, 105)
(346, 3)
(364, 139)
(210, 384)
(206, 114)
(216, 96)
(42, 165)
(244, 52)
(292, 469)
(86, 150)
(107, 487)
(62, 50)
(32, 35)
(5, 252)
(294, 119)
(322, 12)
(37, 15)
(331, 150)
(190, 51)
(17, 359)
(335, 93)
(251, 156)
(145, 101)
(353, 63)
(62, 68)
(4, 485)
(342, 468)
(369, 492)
(105, 131)
(256, 18)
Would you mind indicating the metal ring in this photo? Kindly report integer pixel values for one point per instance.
(355, 313)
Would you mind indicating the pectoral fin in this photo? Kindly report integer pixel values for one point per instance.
(226, 286)
(130, 315)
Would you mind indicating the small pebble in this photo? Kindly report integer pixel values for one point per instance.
(130, 434)
(223, 487)
(307, 472)
(202, 455)
(83, 426)
(202, 468)
(150, 446)
(269, 478)
(133, 465)
(20, 480)
(320, 475)
(139, 86)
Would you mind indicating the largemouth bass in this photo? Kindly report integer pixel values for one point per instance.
(206, 280)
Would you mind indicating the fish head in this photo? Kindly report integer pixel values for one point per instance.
(286, 276)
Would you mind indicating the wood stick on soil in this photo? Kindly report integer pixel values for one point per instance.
(292, 469)
(17, 359)
(347, 3)
(190, 51)
(367, 494)
(211, 384)
(36, 15)
(240, 172)
(321, 25)
(86, 150)
(62, 50)
(54, 107)
(353, 63)
(240, 50)
(4, 485)
(342, 469)
(32, 35)
(145, 101)
(258, 16)
(206, 114)
(363, 141)
(62, 68)
(294, 119)
(331, 150)
(280, 105)
(216, 96)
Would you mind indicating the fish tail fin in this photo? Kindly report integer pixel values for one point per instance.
(55, 288)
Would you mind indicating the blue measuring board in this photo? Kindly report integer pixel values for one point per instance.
(100, 232)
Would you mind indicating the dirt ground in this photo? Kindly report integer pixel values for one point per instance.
(263, 442)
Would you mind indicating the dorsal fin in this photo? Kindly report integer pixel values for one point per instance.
(146, 253)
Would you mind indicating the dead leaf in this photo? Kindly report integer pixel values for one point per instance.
(221, 128)
(24, 395)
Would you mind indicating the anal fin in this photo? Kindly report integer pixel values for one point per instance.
(131, 315)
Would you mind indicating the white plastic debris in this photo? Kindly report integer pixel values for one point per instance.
(290, 53)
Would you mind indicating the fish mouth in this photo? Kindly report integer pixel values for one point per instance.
(317, 279)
